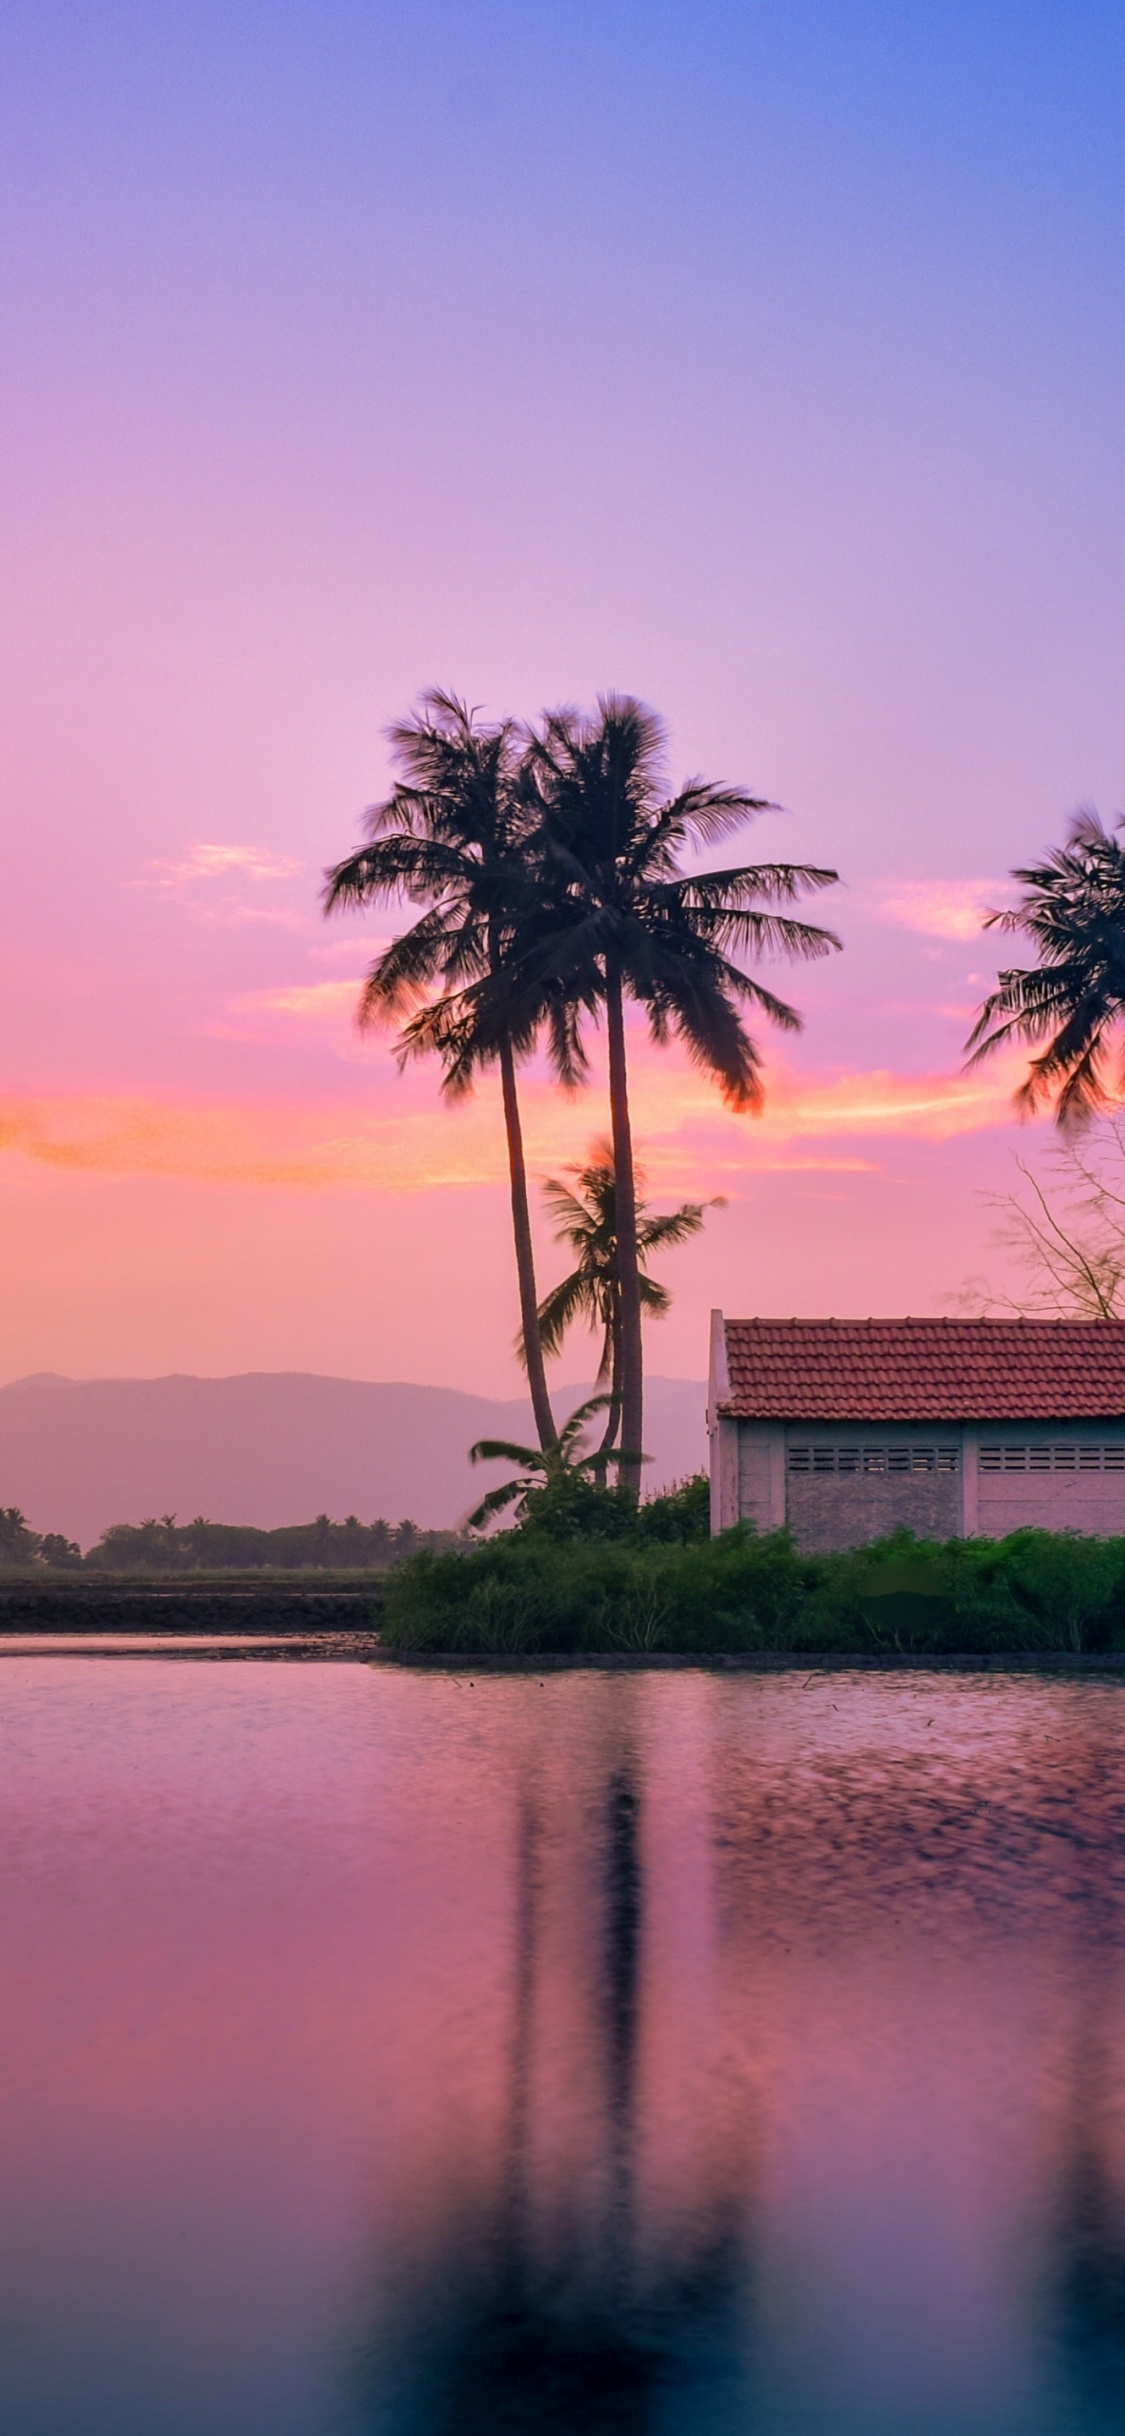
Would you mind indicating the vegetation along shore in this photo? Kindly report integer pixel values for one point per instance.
(586, 1575)
(606, 1577)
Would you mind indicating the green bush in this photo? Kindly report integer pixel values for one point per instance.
(638, 1587)
(524, 1592)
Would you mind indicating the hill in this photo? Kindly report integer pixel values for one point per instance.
(277, 1447)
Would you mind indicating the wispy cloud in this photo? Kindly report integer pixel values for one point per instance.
(215, 862)
(407, 1144)
(934, 1105)
(293, 1144)
(309, 1000)
(335, 951)
(941, 909)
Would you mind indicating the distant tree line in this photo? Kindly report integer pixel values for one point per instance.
(168, 1546)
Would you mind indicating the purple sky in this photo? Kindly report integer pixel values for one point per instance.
(766, 363)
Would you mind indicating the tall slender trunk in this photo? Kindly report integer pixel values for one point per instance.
(613, 1424)
(628, 1269)
(525, 1258)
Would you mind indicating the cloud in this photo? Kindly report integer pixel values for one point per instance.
(333, 951)
(410, 1142)
(933, 1105)
(296, 1144)
(313, 1000)
(214, 862)
(942, 909)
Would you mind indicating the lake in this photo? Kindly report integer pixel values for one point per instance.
(399, 2054)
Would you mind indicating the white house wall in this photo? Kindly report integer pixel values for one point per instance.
(761, 1474)
(1054, 1500)
(865, 1499)
(1069, 1477)
(726, 1508)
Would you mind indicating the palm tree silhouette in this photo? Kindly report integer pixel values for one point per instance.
(587, 1221)
(541, 1467)
(456, 836)
(629, 920)
(1074, 998)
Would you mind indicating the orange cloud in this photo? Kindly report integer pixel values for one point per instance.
(402, 1144)
(277, 1145)
(933, 1105)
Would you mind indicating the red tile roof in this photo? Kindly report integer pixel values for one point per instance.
(925, 1370)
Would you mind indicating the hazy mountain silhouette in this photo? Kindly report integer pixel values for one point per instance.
(276, 1447)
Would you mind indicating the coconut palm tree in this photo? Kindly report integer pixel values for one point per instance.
(587, 1220)
(539, 1467)
(1073, 908)
(456, 836)
(630, 921)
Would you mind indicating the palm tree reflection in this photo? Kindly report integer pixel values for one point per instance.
(577, 2305)
(1087, 2219)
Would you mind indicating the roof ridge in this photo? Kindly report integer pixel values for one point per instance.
(927, 1368)
(935, 1319)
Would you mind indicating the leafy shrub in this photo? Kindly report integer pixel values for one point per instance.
(523, 1592)
(529, 1592)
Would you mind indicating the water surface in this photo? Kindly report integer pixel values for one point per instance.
(393, 2054)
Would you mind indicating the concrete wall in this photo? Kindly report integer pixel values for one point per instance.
(867, 1497)
(723, 1438)
(827, 1514)
(1054, 1499)
(838, 1486)
(761, 1474)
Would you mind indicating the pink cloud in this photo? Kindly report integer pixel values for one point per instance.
(309, 1000)
(413, 1142)
(941, 909)
(216, 862)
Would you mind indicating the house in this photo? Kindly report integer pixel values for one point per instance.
(847, 1429)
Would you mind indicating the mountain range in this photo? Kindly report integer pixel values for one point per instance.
(275, 1447)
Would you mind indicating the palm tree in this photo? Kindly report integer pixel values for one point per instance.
(1074, 998)
(631, 921)
(587, 1221)
(539, 1467)
(456, 836)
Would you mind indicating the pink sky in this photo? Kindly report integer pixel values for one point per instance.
(296, 424)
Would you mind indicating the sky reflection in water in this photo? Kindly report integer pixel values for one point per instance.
(386, 2055)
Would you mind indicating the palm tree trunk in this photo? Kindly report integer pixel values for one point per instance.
(628, 1270)
(525, 1258)
(613, 1424)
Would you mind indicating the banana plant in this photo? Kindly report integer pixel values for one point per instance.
(544, 1467)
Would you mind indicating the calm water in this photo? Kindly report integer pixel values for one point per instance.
(394, 2055)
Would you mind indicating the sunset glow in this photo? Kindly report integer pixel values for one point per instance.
(831, 477)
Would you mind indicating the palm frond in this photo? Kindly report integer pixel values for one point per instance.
(753, 883)
(1073, 910)
(574, 1217)
(677, 1226)
(699, 814)
(502, 1450)
(572, 1429)
(575, 1298)
(494, 1502)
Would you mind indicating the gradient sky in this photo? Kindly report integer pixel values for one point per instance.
(766, 362)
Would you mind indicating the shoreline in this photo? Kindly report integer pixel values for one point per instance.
(770, 1661)
(363, 1648)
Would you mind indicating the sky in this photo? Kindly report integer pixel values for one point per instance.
(767, 363)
